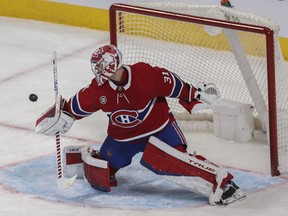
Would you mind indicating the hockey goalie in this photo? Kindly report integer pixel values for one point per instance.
(134, 99)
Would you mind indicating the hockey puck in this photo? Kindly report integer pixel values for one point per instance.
(33, 97)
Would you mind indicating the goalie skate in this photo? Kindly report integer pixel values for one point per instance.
(231, 194)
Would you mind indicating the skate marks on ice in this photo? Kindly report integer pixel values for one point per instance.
(138, 187)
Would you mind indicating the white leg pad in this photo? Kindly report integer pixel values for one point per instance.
(73, 163)
(191, 172)
(217, 191)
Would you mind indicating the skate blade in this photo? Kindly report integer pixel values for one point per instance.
(237, 196)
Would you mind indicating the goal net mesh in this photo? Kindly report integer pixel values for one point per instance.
(198, 52)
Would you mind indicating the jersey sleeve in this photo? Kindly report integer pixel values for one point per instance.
(82, 104)
(169, 84)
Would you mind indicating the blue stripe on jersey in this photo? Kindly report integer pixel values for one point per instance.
(145, 112)
(178, 86)
(179, 132)
(75, 106)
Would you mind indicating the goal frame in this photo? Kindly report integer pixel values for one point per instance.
(269, 35)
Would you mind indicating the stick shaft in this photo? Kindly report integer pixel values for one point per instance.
(57, 135)
(62, 182)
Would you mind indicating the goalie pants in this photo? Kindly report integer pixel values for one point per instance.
(120, 154)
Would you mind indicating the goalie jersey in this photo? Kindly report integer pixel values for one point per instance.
(136, 106)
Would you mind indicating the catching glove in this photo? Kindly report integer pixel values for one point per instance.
(203, 96)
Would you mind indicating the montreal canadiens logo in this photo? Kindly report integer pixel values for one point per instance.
(125, 118)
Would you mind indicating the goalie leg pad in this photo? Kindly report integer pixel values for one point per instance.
(73, 164)
(80, 163)
(193, 172)
(96, 171)
(166, 160)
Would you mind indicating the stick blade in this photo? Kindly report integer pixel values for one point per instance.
(64, 183)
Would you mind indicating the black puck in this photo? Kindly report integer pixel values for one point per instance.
(33, 97)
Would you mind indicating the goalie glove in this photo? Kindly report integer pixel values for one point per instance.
(207, 93)
(203, 96)
(54, 119)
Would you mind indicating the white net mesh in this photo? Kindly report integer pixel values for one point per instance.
(206, 53)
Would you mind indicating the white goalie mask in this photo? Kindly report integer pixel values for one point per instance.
(105, 61)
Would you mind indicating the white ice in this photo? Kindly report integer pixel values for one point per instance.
(26, 67)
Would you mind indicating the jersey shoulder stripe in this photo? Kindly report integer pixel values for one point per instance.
(76, 108)
(178, 86)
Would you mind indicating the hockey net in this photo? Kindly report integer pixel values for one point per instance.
(237, 51)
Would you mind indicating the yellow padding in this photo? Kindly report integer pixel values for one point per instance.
(284, 47)
(68, 14)
(56, 13)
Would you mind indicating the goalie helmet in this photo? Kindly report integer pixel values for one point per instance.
(105, 61)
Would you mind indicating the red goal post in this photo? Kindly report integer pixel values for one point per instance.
(202, 44)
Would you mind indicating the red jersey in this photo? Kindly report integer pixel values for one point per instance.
(135, 109)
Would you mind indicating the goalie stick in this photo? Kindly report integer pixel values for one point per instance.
(62, 182)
